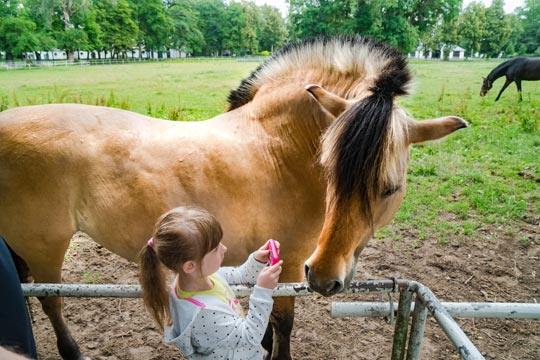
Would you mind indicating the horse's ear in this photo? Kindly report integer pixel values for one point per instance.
(332, 103)
(433, 129)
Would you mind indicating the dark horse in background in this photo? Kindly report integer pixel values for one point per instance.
(516, 69)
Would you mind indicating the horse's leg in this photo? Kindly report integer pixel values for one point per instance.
(282, 319)
(508, 82)
(268, 340)
(47, 268)
(518, 85)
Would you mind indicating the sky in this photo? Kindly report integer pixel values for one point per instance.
(509, 5)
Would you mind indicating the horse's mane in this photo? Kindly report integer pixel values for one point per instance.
(499, 70)
(354, 58)
(354, 147)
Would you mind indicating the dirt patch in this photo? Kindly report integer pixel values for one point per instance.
(501, 266)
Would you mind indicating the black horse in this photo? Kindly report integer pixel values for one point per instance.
(516, 69)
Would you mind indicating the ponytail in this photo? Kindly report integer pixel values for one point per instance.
(182, 234)
(153, 282)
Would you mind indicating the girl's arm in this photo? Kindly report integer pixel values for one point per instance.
(245, 274)
(216, 329)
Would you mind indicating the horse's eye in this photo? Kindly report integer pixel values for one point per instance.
(391, 190)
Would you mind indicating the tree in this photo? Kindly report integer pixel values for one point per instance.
(186, 35)
(273, 31)
(72, 13)
(472, 26)
(386, 20)
(530, 18)
(153, 23)
(240, 32)
(211, 23)
(94, 33)
(497, 30)
(119, 29)
(17, 36)
(516, 31)
(319, 17)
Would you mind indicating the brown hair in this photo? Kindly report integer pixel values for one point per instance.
(182, 234)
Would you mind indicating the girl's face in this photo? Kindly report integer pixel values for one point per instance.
(212, 261)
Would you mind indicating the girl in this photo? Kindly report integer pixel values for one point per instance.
(200, 313)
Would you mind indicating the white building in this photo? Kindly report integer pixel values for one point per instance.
(456, 52)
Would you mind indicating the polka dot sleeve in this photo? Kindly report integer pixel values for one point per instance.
(245, 274)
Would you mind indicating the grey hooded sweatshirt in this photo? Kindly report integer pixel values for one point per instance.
(211, 325)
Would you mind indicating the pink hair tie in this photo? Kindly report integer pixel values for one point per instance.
(150, 242)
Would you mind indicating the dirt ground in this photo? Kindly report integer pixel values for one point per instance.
(498, 267)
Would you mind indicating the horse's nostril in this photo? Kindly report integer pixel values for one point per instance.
(306, 271)
(334, 287)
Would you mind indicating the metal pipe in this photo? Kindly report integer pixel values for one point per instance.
(464, 346)
(134, 291)
(417, 330)
(402, 324)
(455, 309)
(82, 290)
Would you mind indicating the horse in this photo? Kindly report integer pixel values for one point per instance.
(312, 151)
(516, 69)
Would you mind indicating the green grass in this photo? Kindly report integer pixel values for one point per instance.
(186, 90)
(456, 186)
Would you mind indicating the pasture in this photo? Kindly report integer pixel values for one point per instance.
(468, 227)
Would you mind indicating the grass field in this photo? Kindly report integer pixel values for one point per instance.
(486, 174)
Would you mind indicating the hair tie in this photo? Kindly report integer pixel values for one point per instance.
(150, 243)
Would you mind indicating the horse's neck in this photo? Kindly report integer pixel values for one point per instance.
(297, 118)
(499, 71)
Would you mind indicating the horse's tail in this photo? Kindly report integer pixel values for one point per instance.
(353, 146)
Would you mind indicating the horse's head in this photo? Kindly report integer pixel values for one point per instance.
(365, 155)
(486, 86)
(365, 147)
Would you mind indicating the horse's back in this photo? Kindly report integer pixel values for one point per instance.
(57, 167)
(524, 68)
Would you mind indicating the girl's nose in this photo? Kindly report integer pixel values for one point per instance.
(224, 248)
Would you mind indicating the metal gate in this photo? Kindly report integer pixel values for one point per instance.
(425, 302)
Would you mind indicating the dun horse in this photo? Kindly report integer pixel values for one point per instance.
(517, 69)
(313, 151)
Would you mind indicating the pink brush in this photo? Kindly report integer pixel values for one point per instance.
(273, 257)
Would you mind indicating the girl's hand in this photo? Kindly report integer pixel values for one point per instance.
(261, 255)
(269, 276)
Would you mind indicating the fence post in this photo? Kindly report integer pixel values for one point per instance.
(417, 330)
(402, 324)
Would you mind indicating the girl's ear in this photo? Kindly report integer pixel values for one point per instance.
(189, 266)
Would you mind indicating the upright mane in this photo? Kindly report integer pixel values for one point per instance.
(342, 63)
(354, 147)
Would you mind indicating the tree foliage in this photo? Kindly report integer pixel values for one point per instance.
(238, 27)
(471, 27)
(530, 20)
(497, 30)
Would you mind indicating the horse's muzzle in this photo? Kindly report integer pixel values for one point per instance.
(325, 288)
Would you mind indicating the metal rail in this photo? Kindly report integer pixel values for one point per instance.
(135, 291)
(425, 302)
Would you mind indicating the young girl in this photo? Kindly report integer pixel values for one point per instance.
(200, 313)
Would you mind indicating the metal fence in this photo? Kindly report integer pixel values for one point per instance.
(15, 65)
(405, 342)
